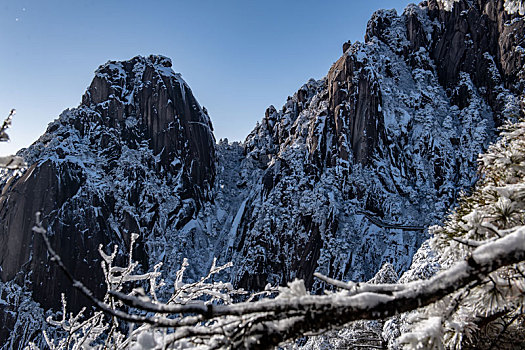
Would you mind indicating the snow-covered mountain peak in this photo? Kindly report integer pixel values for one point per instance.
(343, 179)
(136, 156)
(377, 150)
(123, 77)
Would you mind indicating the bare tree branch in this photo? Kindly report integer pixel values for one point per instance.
(7, 123)
(9, 162)
(268, 322)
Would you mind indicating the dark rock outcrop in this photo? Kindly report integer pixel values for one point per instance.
(390, 135)
(39, 190)
(355, 99)
(481, 39)
(169, 115)
(90, 173)
(392, 132)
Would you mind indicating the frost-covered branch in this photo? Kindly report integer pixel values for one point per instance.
(369, 305)
(492, 311)
(9, 162)
(217, 322)
(5, 125)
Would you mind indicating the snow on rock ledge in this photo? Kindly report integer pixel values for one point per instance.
(138, 155)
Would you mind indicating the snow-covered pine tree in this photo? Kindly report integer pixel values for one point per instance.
(490, 313)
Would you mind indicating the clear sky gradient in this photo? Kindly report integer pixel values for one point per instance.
(239, 57)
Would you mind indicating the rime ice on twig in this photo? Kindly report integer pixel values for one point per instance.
(218, 323)
(9, 162)
(6, 124)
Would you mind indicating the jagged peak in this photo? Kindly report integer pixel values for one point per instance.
(380, 19)
(161, 63)
(122, 80)
(512, 7)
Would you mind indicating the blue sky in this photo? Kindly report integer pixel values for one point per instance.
(239, 57)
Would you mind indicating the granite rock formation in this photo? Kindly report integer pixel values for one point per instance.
(345, 177)
(139, 139)
(355, 163)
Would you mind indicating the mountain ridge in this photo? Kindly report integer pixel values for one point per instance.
(393, 130)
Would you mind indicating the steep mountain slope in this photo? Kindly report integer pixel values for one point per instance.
(344, 178)
(137, 147)
(356, 165)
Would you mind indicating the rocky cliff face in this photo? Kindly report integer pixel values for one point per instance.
(355, 166)
(344, 177)
(139, 144)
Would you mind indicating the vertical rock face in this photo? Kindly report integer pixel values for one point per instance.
(169, 116)
(355, 166)
(345, 177)
(354, 103)
(139, 145)
(483, 40)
